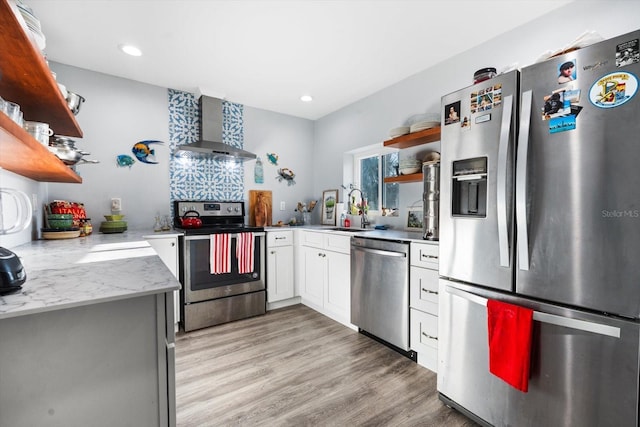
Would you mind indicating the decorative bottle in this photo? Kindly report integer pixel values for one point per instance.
(258, 172)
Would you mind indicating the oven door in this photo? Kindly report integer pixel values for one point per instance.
(198, 282)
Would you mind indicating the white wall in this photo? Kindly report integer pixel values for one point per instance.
(291, 138)
(117, 114)
(368, 121)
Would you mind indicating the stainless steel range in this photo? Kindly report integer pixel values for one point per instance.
(222, 264)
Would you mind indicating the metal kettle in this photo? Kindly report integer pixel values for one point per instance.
(193, 221)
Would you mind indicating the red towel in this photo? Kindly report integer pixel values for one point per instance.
(220, 257)
(510, 342)
(244, 252)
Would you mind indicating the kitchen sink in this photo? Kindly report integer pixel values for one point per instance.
(351, 230)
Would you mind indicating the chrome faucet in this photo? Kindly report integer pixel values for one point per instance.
(364, 221)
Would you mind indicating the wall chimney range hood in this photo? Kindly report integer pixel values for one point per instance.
(210, 143)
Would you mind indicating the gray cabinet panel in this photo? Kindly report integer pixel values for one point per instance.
(96, 365)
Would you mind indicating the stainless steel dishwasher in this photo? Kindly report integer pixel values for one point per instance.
(380, 291)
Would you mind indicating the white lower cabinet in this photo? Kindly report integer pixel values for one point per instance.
(166, 246)
(280, 284)
(423, 303)
(279, 273)
(424, 338)
(325, 274)
(337, 298)
(313, 276)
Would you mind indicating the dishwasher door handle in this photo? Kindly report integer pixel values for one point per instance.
(380, 252)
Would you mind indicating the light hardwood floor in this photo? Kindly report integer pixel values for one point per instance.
(296, 367)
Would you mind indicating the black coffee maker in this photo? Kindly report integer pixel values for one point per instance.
(12, 273)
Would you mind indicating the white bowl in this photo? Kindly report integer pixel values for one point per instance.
(409, 171)
(402, 130)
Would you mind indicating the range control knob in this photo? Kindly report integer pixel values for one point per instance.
(237, 209)
(229, 209)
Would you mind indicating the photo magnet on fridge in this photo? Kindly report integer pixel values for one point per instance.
(452, 113)
(627, 53)
(561, 124)
(567, 72)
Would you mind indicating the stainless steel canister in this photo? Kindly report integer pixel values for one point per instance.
(431, 200)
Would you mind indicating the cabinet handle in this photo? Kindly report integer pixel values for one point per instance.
(173, 244)
(273, 252)
(280, 238)
(428, 256)
(429, 291)
(322, 255)
(430, 337)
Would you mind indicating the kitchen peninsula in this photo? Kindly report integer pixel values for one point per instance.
(89, 340)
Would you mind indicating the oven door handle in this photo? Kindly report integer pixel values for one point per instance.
(208, 236)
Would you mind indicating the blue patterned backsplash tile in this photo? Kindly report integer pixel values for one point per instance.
(201, 178)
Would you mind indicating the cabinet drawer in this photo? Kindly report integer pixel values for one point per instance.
(333, 242)
(309, 238)
(423, 293)
(279, 238)
(424, 331)
(424, 255)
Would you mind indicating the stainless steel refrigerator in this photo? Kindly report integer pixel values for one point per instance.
(540, 207)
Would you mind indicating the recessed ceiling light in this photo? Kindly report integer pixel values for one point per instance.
(130, 49)
(306, 98)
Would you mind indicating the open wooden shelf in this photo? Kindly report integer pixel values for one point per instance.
(26, 80)
(413, 139)
(20, 153)
(414, 177)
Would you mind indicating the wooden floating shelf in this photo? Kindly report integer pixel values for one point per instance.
(26, 80)
(414, 177)
(20, 153)
(413, 139)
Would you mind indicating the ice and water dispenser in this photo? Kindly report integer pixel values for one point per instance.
(469, 188)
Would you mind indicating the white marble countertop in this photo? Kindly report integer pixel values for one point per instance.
(87, 270)
(390, 234)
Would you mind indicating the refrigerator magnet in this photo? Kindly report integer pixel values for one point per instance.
(452, 113)
(497, 95)
(466, 123)
(555, 105)
(613, 90)
(567, 72)
(627, 53)
(562, 124)
(483, 118)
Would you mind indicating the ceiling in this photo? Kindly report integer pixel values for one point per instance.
(267, 53)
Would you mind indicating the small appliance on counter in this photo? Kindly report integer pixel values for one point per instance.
(12, 273)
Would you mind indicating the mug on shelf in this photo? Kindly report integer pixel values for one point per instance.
(40, 131)
(12, 110)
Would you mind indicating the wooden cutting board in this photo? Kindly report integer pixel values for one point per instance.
(260, 206)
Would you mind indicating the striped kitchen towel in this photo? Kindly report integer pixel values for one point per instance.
(244, 252)
(220, 257)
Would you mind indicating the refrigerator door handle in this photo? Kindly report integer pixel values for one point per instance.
(582, 325)
(501, 178)
(521, 182)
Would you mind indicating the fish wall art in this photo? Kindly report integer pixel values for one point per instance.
(144, 153)
(123, 160)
